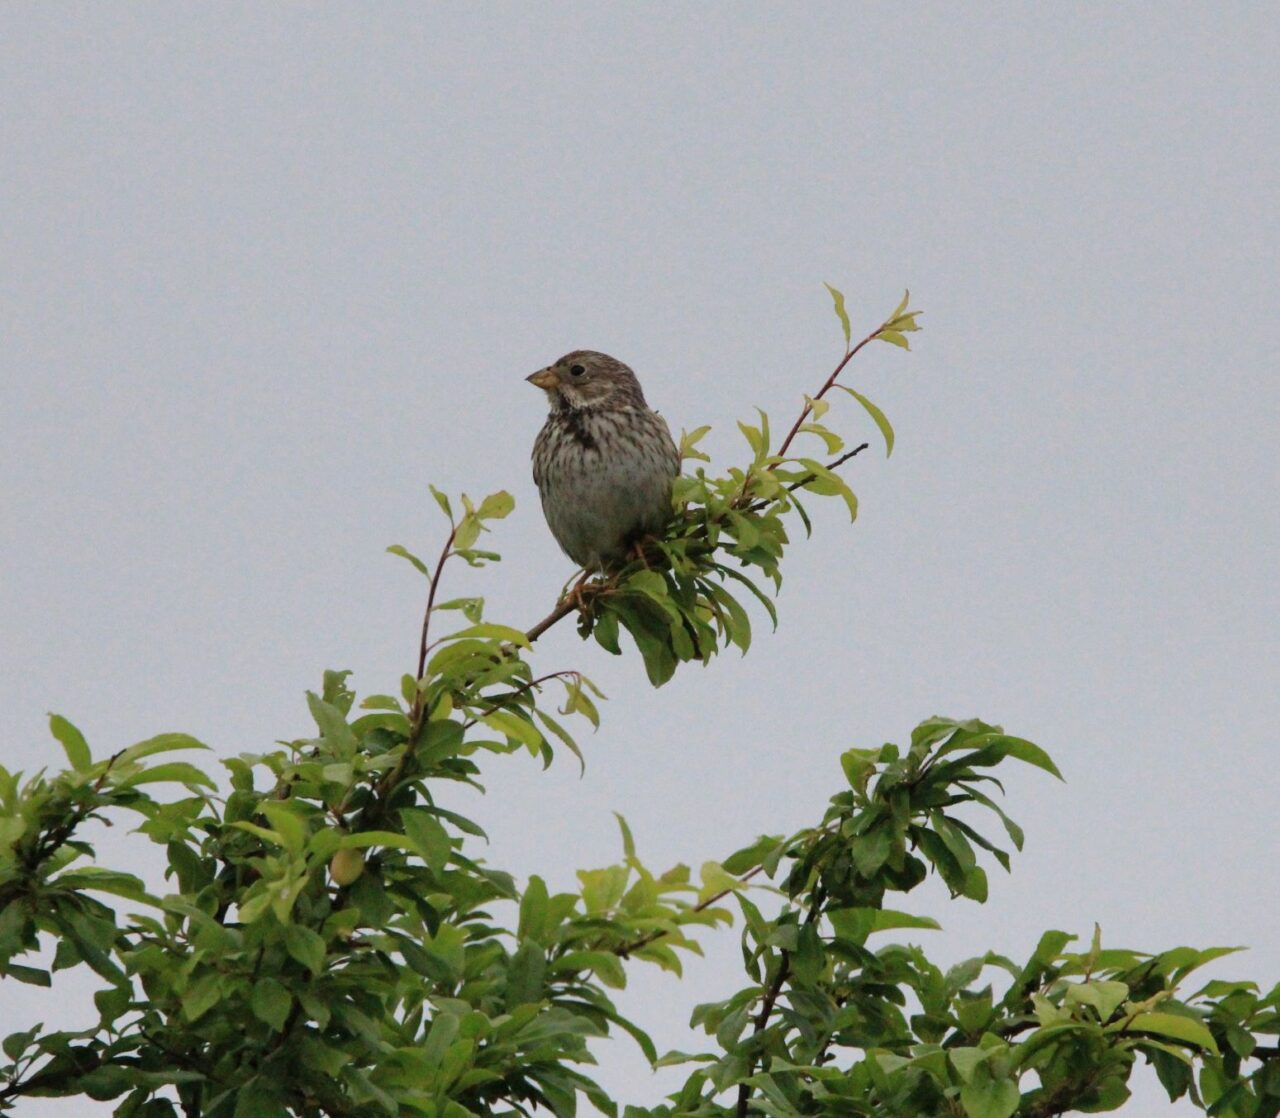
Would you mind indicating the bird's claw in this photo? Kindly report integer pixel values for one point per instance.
(575, 596)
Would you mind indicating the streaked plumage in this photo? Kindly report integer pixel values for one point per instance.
(604, 461)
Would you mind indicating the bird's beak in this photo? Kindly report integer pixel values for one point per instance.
(545, 378)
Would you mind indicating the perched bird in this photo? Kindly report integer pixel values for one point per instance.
(604, 461)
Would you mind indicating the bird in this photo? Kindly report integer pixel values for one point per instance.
(604, 462)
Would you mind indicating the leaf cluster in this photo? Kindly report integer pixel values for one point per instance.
(328, 938)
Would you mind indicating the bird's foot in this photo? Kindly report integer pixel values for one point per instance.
(638, 552)
(576, 595)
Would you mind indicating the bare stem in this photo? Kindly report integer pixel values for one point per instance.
(808, 408)
(561, 611)
(416, 714)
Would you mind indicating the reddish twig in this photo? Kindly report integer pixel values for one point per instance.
(835, 373)
(416, 713)
(561, 611)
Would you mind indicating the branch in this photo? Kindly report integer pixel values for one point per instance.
(771, 996)
(566, 607)
(762, 1021)
(416, 714)
(835, 373)
(58, 1077)
(831, 465)
(44, 848)
(517, 691)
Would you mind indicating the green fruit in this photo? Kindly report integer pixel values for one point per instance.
(346, 866)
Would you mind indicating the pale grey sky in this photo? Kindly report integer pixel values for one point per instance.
(265, 271)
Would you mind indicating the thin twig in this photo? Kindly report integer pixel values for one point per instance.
(561, 611)
(831, 465)
(416, 713)
(808, 408)
(520, 690)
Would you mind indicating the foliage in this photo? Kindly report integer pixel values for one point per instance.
(331, 944)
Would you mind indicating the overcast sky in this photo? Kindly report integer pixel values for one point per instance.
(266, 271)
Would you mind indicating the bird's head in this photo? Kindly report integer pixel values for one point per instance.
(587, 379)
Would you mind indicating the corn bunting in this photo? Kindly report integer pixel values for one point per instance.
(604, 461)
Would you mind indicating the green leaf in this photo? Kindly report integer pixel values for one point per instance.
(32, 976)
(715, 879)
(15, 1044)
(755, 438)
(975, 885)
(202, 995)
(73, 743)
(838, 299)
(886, 919)
(985, 1097)
(306, 946)
(525, 974)
(833, 442)
(894, 338)
(826, 483)
(605, 630)
(442, 501)
(428, 835)
(404, 553)
(177, 771)
(271, 1003)
(444, 1029)
(1030, 753)
(1170, 1025)
(514, 727)
(472, 608)
(991, 748)
(362, 840)
(258, 1098)
(161, 743)
(496, 505)
(760, 596)
(967, 1060)
(488, 630)
(333, 726)
(286, 823)
(564, 737)
(689, 441)
(534, 907)
(628, 840)
(1105, 997)
(881, 420)
(275, 838)
(751, 856)
(105, 881)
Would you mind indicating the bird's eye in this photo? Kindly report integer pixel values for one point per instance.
(577, 370)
